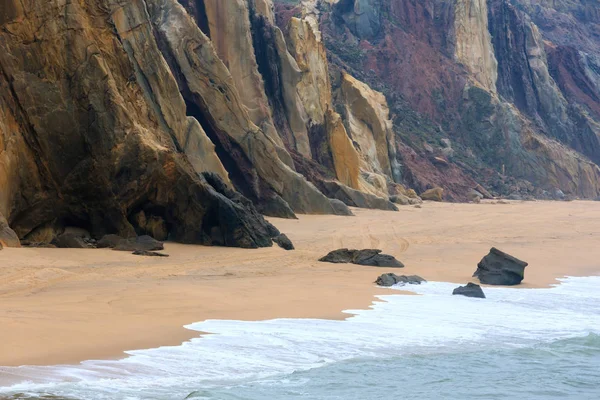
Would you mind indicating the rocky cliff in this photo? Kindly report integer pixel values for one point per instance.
(94, 129)
(502, 92)
(205, 113)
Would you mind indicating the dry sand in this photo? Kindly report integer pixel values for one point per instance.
(64, 306)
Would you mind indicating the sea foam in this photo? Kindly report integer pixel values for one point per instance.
(394, 326)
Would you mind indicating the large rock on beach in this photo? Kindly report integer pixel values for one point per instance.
(284, 242)
(435, 194)
(72, 241)
(470, 290)
(370, 257)
(390, 279)
(109, 241)
(499, 268)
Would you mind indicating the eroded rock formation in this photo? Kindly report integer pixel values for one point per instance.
(95, 134)
(186, 119)
(516, 94)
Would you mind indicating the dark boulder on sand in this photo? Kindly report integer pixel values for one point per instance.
(499, 268)
(470, 290)
(284, 242)
(109, 241)
(340, 256)
(140, 243)
(73, 241)
(390, 279)
(370, 257)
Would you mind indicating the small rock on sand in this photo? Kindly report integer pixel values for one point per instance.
(149, 253)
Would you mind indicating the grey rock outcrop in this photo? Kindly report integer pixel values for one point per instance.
(284, 242)
(355, 198)
(370, 257)
(109, 241)
(140, 243)
(499, 268)
(469, 290)
(391, 279)
(72, 241)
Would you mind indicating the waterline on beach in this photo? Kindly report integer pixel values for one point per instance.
(396, 331)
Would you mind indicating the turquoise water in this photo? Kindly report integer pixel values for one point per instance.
(516, 344)
(566, 369)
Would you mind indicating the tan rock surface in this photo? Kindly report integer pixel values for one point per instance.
(230, 34)
(211, 87)
(93, 134)
(314, 89)
(473, 46)
(161, 90)
(346, 159)
(435, 194)
(369, 125)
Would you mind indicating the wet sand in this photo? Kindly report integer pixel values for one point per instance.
(66, 305)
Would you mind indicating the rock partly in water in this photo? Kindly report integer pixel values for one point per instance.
(390, 279)
(499, 268)
(435, 194)
(470, 290)
(149, 253)
(370, 257)
(140, 243)
(284, 242)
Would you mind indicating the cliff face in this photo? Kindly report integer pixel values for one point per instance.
(109, 108)
(473, 42)
(517, 102)
(93, 130)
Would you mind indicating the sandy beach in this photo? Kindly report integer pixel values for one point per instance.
(66, 305)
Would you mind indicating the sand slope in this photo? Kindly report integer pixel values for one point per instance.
(64, 306)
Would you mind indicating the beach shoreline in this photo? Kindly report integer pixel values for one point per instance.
(63, 306)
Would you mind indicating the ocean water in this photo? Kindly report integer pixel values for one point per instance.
(516, 344)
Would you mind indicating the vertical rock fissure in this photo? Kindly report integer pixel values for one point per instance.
(266, 55)
(197, 9)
